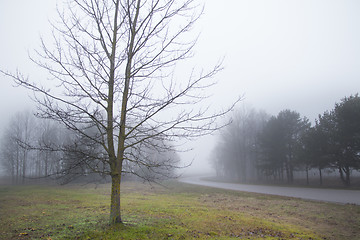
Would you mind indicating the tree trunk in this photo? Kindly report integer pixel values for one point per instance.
(46, 164)
(320, 175)
(291, 172)
(341, 175)
(17, 166)
(345, 179)
(288, 172)
(307, 175)
(24, 168)
(115, 214)
(13, 173)
(347, 176)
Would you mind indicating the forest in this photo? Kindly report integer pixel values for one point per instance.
(257, 147)
(34, 149)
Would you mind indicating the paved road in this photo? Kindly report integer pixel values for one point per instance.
(318, 194)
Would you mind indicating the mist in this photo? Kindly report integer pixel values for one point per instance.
(173, 119)
(278, 55)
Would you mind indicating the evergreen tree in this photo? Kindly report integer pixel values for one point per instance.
(280, 141)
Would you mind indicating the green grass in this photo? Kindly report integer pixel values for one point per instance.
(178, 212)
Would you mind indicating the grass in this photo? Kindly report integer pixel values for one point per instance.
(180, 211)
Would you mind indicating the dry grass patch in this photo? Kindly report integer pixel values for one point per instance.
(179, 211)
(331, 221)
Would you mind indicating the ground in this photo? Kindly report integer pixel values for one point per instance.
(177, 211)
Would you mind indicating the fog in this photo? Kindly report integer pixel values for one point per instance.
(284, 54)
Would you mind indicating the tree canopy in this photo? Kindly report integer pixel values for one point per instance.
(287, 143)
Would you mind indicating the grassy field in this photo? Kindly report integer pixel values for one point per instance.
(179, 211)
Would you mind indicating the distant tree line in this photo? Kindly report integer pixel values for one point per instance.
(18, 159)
(33, 149)
(258, 147)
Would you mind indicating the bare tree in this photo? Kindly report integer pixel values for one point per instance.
(235, 155)
(9, 155)
(114, 62)
(49, 138)
(16, 156)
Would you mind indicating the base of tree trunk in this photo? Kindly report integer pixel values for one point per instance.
(115, 214)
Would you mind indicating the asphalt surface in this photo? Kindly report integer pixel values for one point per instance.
(318, 194)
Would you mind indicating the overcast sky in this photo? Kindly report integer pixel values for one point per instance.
(284, 54)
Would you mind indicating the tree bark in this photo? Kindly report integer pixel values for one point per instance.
(115, 213)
